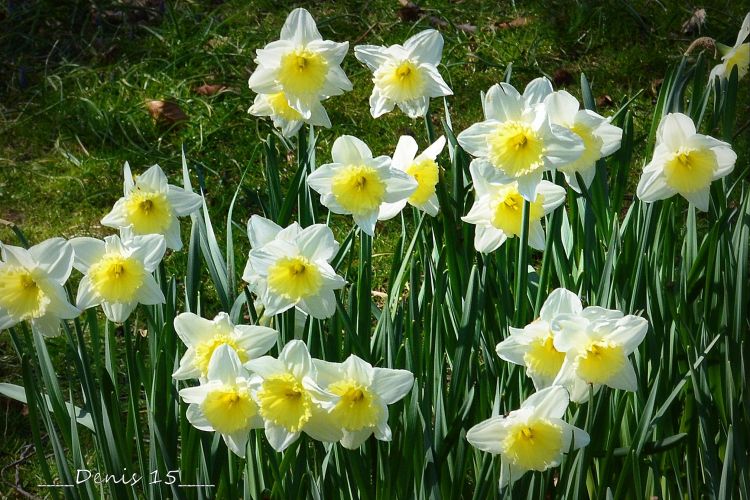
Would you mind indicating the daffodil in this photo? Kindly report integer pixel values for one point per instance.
(364, 394)
(286, 118)
(498, 208)
(684, 162)
(517, 137)
(294, 270)
(600, 138)
(532, 438)
(203, 337)
(422, 168)
(405, 75)
(597, 343)
(223, 403)
(358, 184)
(289, 398)
(152, 206)
(533, 345)
(31, 285)
(301, 66)
(117, 273)
(738, 55)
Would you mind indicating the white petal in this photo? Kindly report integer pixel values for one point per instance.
(266, 366)
(300, 28)
(354, 439)
(225, 365)
(674, 130)
(652, 186)
(317, 242)
(426, 46)
(197, 418)
(55, 256)
(87, 296)
(261, 230)
(527, 185)
(172, 236)
(725, 159)
(537, 90)
(415, 108)
(563, 147)
(488, 238)
(361, 371)
(502, 103)
(296, 358)
(561, 107)
(149, 249)
(380, 104)
(321, 427)
(117, 217)
(560, 301)
(629, 331)
(366, 221)
(371, 55)
(183, 202)
(149, 293)
(474, 138)
(625, 379)
(435, 86)
(390, 210)
(434, 149)
(256, 340)
(700, 198)
(118, 312)
(348, 150)
(399, 185)
(278, 437)
(511, 349)
(391, 385)
(322, 305)
(322, 177)
(153, 179)
(192, 329)
(406, 151)
(488, 435)
(550, 402)
(87, 252)
(237, 442)
(47, 325)
(263, 80)
(536, 236)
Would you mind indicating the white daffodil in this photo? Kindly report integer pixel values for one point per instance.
(358, 184)
(286, 118)
(31, 285)
(533, 437)
(301, 65)
(405, 75)
(289, 398)
(294, 270)
(117, 273)
(202, 337)
(684, 163)
(517, 137)
(600, 138)
(498, 208)
(738, 55)
(364, 395)
(423, 169)
(223, 403)
(152, 206)
(597, 343)
(533, 345)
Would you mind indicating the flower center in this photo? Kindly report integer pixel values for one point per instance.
(302, 72)
(426, 174)
(592, 147)
(600, 361)
(690, 170)
(358, 188)
(205, 350)
(507, 210)
(229, 409)
(516, 149)
(534, 445)
(542, 358)
(285, 402)
(148, 212)
(117, 278)
(357, 408)
(294, 277)
(402, 82)
(20, 294)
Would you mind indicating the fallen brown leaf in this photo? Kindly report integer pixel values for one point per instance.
(656, 86)
(437, 22)
(166, 112)
(467, 28)
(514, 23)
(604, 101)
(210, 89)
(409, 11)
(695, 23)
(562, 77)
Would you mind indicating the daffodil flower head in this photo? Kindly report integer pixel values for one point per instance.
(684, 162)
(424, 169)
(203, 337)
(737, 55)
(285, 118)
(117, 273)
(597, 343)
(533, 345)
(600, 138)
(294, 270)
(498, 208)
(358, 184)
(301, 68)
(223, 402)
(31, 285)
(364, 394)
(533, 437)
(152, 206)
(405, 75)
(289, 398)
(517, 137)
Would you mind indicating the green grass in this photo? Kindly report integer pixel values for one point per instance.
(74, 86)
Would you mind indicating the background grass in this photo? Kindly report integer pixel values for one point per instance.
(75, 76)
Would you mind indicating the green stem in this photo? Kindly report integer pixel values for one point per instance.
(521, 272)
(364, 289)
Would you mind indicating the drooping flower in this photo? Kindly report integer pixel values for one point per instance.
(223, 403)
(738, 55)
(364, 394)
(533, 345)
(301, 66)
(152, 206)
(286, 118)
(517, 137)
(533, 437)
(405, 75)
(684, 162)
(358, 184)
(203, 337)
(31, 285)
(423, 169)
(289, 398)
(294, 269)
(498, 208)
(117, 273)
(600, 138)
(597, 343)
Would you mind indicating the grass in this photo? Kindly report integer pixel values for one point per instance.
(75, 84)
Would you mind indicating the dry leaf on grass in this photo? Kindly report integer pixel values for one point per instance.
(514, 23)
(695, 23)
(166, 112)
(210, 89)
